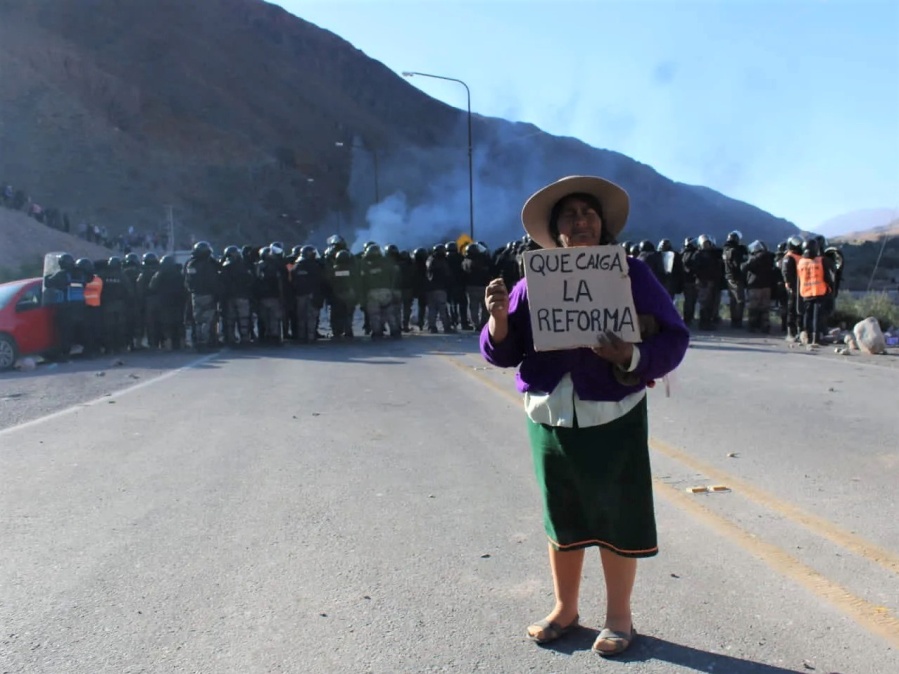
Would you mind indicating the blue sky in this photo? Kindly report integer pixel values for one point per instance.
(791, 105)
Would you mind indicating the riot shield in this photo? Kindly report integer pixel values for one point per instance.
(51, 266)
(668, 261)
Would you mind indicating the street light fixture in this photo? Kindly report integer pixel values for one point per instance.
(412, 73)
(374, 154)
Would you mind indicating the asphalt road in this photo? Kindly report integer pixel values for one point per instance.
(371, 508)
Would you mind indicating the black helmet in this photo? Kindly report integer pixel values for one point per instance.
(440, 250)
(705, 242)
(635, 250)
(627, 246)
(646, 246)
(308, 252)
(150, 260)
(689, 243)
(337, 242)
(782, 247)
(295, 252)
(391, 250)
(757, 247)
(451, 247)
(794, 243)
(167, 261)
(420, 254)
(202, 249)
(372, 252)
(85, 265)
(836, 255)
(132, 260)
(231, 253)
(66, 262)
(734, 237)
(114, 262)
(665, 245)
(343, 256)
(810, 248)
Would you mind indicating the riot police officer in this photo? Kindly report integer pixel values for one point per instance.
(343, 291)
(202, 282)
(307, 281)
(734, 255)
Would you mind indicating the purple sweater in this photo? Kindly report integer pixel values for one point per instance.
(592, 376)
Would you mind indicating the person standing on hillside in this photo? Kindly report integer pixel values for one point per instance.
(587, 414)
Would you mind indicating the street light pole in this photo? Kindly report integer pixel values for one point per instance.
(411, 73)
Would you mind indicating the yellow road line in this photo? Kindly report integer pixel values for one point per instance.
(876, 619)
(813, 523)
(818, 525)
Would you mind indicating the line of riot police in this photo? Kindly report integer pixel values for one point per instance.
(265, 295)
(800, 280)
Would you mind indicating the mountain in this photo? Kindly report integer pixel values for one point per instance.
(254, 124)
(855, 222)
(889, 230)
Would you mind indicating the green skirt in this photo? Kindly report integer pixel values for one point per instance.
(597, 484)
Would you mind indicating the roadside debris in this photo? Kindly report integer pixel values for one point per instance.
(708, 489)
(869, 336)
(26, 364)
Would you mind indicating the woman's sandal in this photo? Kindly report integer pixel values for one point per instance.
(620, 641)
(550, 631)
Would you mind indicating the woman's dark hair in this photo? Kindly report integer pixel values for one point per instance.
(605, 237)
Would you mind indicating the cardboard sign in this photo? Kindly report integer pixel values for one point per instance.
(576, 293)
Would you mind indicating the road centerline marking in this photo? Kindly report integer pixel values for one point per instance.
(876, 619)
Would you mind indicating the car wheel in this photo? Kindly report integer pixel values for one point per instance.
(8, 352)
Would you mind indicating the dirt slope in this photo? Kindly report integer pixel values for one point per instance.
(23, 243)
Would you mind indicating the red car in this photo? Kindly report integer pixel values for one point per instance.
(27, 327)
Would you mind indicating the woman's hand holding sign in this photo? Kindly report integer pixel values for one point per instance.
(612, 348)
(496, 297)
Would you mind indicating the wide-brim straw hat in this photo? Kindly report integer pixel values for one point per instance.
(537, 209)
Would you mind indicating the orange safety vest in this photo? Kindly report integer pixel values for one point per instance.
(811, 278)
(92, 292)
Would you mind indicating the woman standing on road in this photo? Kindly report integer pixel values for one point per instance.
(586, 412)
